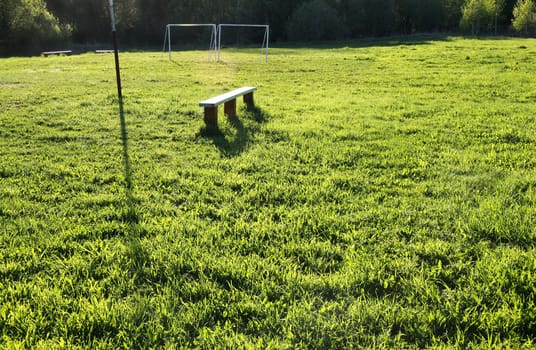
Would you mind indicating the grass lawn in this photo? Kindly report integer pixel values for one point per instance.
(381, 194)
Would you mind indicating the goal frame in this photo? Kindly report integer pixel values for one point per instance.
(213, 48)
(265, 41)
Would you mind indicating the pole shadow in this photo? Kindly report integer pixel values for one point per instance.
(131, 214)
(136, 256)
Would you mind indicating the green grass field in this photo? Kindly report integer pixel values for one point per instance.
(381, 194)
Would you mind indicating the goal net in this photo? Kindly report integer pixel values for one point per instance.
(265, 41)
(213, 47)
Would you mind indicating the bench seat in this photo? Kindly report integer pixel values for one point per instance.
(229, 101)
(64, 52)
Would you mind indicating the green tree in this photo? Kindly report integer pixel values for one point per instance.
(508, 12)
(315, 20)
(276, 13)
(452, 10)
(419, 15)
(475, 16)
(142, 21)
(90, 19)
(495, 9)
(152, 18)
(524, 16)
(27, 26)
(369, 17)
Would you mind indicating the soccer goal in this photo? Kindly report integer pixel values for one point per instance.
(213, 48)
(265, 41)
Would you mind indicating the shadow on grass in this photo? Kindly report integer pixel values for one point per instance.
(131, 214)
(233, 140)
(386, 41)
(136, 258)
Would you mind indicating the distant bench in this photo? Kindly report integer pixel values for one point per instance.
(229, 100)
(64, 52)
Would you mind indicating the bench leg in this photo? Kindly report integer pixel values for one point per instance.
(230, 108)
(248, 99)
(211, 116)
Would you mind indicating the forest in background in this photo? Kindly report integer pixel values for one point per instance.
(27, 26)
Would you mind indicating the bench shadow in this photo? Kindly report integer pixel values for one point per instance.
(237, 132)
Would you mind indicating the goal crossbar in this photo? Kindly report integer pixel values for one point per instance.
(213, 47)
(265, 41)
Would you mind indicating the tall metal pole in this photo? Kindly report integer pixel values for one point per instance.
(219, 41)
(165, 41)
(116, 51)
(124, 135)
(169, 40)
(267, 41)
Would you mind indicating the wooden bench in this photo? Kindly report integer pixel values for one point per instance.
(229, 100)
(64, 52)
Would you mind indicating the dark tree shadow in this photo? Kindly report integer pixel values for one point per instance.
(386, 41)
(231, 141)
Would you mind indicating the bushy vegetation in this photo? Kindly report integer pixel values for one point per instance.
(142, 22)
(382, 195)
(525, 16)
(27, 25)
(315, 20)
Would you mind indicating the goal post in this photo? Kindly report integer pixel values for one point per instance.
(265, 41)
(213, 48)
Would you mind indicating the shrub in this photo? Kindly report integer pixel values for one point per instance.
(315, 20)
(29, 27)
(474, 16)
(524, 16)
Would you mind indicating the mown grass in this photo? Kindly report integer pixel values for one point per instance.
(381, 194)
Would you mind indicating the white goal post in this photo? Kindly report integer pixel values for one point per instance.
(213, 36)
(265, 41)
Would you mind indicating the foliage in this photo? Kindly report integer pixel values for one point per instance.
(524, 16)
(474, 16)
(142, 22)
(381, 195)
(496, 9)
(414, 15)
(369, 17)
(90, 19)
(483, 15)
(27, 25)
(315, 20)
(452, 10)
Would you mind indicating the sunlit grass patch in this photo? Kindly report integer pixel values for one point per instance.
(380, 194)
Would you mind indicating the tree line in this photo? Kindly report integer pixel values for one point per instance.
(27, 25)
